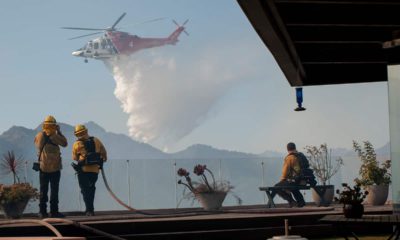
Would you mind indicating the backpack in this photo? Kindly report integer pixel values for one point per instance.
(92, 157)
(306, 173)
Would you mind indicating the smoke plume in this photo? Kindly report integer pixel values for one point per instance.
(165, 100)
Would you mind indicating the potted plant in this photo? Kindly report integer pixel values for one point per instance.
(14, 197)
(373, 177)
(324, 168)
(209, 194)
(352, 199)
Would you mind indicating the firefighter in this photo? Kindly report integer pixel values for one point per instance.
(48, 142)
(291, 170)
(90, 154)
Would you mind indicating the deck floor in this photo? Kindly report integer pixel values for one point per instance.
(194, 223)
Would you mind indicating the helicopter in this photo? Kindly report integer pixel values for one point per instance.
(113, 43)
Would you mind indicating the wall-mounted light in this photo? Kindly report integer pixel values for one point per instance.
(299, 99)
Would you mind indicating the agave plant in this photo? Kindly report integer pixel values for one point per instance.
(11, 164)
(14, 197)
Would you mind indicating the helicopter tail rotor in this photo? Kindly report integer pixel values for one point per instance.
(183, 24)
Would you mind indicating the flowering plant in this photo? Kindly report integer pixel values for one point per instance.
(17, 192)
(351, 195)
(204, 185)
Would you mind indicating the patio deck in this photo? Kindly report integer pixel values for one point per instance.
(241, 222)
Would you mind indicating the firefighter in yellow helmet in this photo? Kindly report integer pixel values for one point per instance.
(90, 154)
(48, 142)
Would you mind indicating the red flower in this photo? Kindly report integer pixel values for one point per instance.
(182, 172)
(199, 169)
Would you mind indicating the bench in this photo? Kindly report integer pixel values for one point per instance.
(271, 192)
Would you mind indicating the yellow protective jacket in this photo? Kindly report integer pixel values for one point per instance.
(50, 159)
(79, 153)
(291, 167)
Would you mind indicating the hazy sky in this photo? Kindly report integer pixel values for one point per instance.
(226, 80)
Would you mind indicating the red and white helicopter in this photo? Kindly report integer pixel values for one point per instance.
(114, 42)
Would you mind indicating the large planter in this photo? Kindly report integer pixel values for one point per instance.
(327, 197)
(377, 194)
(353, 210)
(211, 200)
(14, 209)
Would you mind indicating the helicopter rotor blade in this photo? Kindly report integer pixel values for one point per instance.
(118, 20)
(183, 24)
(175, 23)
(152, 20)
(85, 35)
(87, 29)
(135, 24)
(186, 32)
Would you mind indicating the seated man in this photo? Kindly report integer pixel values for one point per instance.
(292, 176)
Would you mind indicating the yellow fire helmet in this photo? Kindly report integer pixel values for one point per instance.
(80, 130)
(50, 120)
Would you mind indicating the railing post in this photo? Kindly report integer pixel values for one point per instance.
(26, 171)
(175, 184)
(262, 179)
(220, 170)
(129, 182)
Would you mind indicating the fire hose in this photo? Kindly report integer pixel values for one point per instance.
(78, 170)
(113, 194)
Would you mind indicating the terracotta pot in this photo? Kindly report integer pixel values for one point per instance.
(353, 210)
(14, 209)
(377, 194)
(211, 200)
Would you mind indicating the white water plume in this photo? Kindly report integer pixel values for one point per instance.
(165, 100)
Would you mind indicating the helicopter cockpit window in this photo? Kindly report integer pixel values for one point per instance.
(96, 45)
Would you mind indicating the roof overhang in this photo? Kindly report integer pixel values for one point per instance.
(318, 42)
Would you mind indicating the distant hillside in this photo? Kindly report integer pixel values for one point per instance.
(384, 150)
(207, 152)
(119, 146)
(18, 139)
(272, 154)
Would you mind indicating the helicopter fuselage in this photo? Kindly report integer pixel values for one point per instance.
(113, 43)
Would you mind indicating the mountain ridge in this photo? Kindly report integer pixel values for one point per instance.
(120, 146)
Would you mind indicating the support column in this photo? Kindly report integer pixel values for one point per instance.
(394, 129)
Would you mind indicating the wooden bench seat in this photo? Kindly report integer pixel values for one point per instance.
(271, 192)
